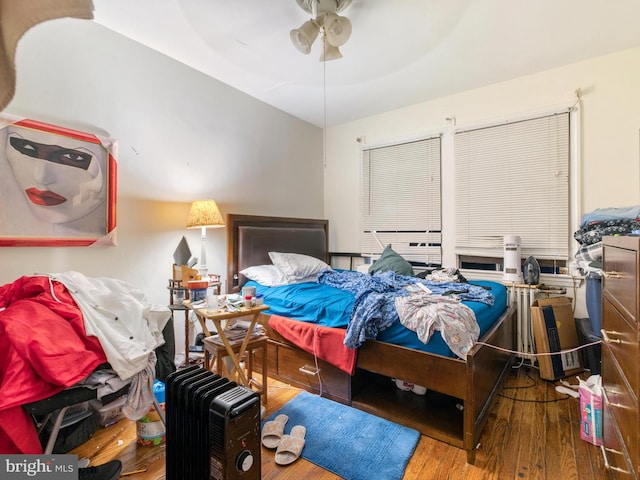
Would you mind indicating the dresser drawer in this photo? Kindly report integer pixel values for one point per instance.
(295, 366)
(613, 451)
(620, 279)
(621, 403)
(621, 340)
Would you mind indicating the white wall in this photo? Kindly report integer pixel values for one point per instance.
(610, 113)
(182, 136)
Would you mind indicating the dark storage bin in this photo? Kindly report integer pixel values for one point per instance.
(591, 356)
(593, 296)
(76, 429)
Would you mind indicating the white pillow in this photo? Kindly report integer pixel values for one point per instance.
(297, 266)
(267, 275)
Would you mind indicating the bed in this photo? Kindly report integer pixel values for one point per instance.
(460, 393)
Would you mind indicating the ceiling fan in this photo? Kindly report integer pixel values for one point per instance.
(335, 29)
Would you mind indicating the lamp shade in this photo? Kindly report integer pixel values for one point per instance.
(337, 29)
(204, 213)
(304, 36)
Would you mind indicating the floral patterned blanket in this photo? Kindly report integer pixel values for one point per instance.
(374, 308)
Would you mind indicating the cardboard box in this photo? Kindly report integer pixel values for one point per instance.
(184, 274)
(177, 272)
(554, 330)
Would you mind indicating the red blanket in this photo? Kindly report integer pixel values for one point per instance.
(43, 350)
(324, 342)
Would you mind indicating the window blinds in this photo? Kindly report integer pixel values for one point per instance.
(513, 179)
(400, 200)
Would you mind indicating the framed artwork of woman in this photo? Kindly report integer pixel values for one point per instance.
(57, 185)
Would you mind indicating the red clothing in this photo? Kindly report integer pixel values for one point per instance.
(43, 350)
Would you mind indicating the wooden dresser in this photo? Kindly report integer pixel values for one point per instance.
(620, 313)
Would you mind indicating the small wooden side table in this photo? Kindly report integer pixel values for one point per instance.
(211, 347)
(220, 315)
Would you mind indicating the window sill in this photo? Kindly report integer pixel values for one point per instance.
(559, 280)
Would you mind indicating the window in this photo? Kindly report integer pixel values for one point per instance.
(400, 200)
(514, 179)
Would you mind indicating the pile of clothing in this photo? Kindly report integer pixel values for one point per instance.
(56, 329)
(599, 223)
(375, 307)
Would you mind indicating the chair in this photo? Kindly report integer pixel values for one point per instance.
(59, 404)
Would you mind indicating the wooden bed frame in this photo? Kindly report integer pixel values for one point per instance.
(460, 394)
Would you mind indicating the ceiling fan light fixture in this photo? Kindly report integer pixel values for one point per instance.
(303, 37)
(329, 52)
(313, 7)
(337, 29)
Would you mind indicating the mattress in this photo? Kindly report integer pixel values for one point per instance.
(331, 307)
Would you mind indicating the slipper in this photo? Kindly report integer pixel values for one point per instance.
(402, 385)
(272, 431)
(291, 446)
(418, 389)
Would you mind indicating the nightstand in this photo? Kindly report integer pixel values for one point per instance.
(178, 295)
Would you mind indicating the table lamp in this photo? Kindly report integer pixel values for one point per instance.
(204, 214)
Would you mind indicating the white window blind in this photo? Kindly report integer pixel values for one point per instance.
(400, 200)
(513, 179)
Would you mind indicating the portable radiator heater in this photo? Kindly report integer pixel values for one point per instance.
(213, 427)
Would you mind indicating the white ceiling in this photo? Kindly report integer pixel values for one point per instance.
(401, 52)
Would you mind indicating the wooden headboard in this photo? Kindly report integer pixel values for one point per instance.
(250, 238)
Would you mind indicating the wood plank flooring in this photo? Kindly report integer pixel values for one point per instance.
(532, 433)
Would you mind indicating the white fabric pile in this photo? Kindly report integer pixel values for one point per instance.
(128, 327)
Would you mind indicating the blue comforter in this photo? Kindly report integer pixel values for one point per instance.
(331, 306)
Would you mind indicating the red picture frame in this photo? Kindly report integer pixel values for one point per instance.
(57, 185)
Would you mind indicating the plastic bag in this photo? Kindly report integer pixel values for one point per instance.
(591, 409)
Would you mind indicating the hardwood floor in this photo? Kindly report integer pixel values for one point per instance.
(533, 433)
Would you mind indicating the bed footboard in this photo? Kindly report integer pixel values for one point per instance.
(459, 396)
(487, 368)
